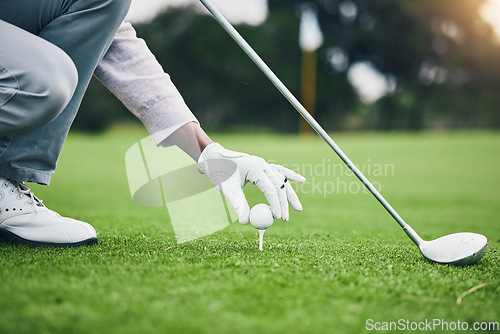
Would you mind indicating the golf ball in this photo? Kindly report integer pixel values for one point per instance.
(261, 216)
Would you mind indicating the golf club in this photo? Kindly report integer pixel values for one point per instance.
(454, 249)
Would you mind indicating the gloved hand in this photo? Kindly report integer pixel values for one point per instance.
(229, 171)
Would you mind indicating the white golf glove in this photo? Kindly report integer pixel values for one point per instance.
(229, 171)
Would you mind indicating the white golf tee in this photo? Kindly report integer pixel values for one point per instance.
(261, 238)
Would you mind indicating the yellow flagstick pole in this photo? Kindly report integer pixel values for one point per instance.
(308, 88)
(310, 39)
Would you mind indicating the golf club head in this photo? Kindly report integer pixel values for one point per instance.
(458, 249)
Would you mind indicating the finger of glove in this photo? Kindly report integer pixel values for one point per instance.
(278, 181)
(292, 197)
(262, 181)
(238, 201)
(288, 173)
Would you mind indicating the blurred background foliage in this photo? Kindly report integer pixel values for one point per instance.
(438, 61)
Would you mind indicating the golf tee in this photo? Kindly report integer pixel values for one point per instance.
(261, 238)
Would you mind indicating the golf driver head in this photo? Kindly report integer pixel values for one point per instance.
(458, 249)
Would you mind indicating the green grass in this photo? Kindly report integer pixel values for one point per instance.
(341, 261)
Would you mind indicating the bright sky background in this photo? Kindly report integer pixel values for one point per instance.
(491, 14)
(236, 11)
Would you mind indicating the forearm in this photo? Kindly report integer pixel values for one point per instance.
(202, 138)
(190, 138)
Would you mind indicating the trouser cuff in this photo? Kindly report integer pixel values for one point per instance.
(26, 175)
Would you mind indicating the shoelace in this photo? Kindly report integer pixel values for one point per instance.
(23, 189)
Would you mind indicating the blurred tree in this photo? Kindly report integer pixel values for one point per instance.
(440, 61)
(443, 58)
(100, 109)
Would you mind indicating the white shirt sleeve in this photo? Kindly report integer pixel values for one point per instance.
(132, 73)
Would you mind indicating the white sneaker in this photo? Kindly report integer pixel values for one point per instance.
(25, 220)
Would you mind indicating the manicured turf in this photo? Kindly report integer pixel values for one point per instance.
(335, 265)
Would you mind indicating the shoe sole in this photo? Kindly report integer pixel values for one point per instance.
(6, 236)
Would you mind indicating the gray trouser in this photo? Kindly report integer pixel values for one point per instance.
(49, 50)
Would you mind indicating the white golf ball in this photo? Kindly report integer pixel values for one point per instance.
(261, 216)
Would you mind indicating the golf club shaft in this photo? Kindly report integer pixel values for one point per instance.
(307, 116)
